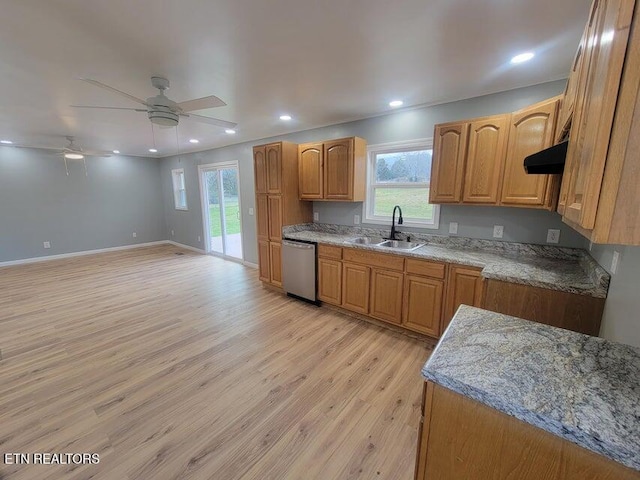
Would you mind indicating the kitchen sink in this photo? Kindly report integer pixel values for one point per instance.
(365, 240)
(400, 245)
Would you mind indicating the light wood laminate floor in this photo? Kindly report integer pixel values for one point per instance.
(184, 367)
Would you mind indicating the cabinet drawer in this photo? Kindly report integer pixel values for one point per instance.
(426, 268)
(391, 262)
(327, 251)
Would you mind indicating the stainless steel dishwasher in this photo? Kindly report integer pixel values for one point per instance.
(299, 269)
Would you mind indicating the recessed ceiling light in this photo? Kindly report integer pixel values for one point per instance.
(153, 150)
(230, 131)
(286, 118)
(116, 151)
(194, 140)
(74, 156)
(523, 57)
(6, 142)
(396, 103)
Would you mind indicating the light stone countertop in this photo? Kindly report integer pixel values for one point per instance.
(563, 269)
(581, 388)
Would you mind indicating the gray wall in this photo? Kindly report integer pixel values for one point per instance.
(39, 202)
(621, 320)
(522, 225)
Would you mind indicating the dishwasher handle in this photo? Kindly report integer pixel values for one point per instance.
(301, 246)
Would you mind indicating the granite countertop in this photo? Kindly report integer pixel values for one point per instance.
(581, 388)
(563, 269)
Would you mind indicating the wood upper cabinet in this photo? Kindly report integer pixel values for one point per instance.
(260, 168)
(355, 287)
(330, 281)
(273, 155)
(333, 170)
(264, 263)
(262, 216)
(532, 129)
(485, 159)
(386, 295)
(590, 135)
(274, 203)
(422, 307)
(311, 171)
(275, 263)
(447, 167)
(464, 286)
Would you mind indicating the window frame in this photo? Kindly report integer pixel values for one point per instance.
(176, 173)
(368, 204)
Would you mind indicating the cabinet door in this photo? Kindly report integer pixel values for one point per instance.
(589, 143)
(274, 203)
(310, 167)
(263, 261)
(273, 155)
(464, 286)
(262, 214)
(485, 159)
(355, 287)
(260, 168)
(386, 295)
(338, 169)
(423, 304)
(532, 129)
(275, 256)
(330, 281)
(447, 168)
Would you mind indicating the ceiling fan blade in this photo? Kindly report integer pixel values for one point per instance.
(109, 108)
(210, 121)
(50, 149)
(201, 103)
(114, 90)
(96, 153)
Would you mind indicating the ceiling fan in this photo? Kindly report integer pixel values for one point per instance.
(163, 111)
(70, 152)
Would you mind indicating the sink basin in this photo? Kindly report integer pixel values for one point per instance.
(400, 245)
(365, 240)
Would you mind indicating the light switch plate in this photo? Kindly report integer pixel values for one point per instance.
(356, 219)
(199, 238)
(316, 216)
(46, 244)
(453, 228)
(498, 231)
(135, 234)
(614, 262)
(250, 210)
(553, 235)
(172, 234)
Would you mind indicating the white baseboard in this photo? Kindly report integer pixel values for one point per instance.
(250, 264)
(188, 247)
(84, 252)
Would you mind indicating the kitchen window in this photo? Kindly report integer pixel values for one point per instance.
(400, 174)
(179, 189)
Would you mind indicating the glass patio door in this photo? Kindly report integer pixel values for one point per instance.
(221, 205)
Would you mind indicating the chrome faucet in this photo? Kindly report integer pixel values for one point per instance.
(392, 235)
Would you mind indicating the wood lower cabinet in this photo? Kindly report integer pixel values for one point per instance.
(464, 286)
(422, 308)
(264, 262)
(465, 439)
(274, 206)
(449, 156)
(262, 214)
(275, 262)
(355, 287)
(386, 295)
(330, 281)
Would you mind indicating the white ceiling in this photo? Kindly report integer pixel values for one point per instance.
(322, 61)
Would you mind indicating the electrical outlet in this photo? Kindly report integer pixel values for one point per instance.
(198, 238)
(614, 262)
(135, 234)
(250, 210)
(553, 235)
(453, 228)
(316, 216)
(498, 231)
(46, 244)
(172, 234)
(356, 219)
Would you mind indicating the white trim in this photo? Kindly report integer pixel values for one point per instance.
(186, 247)
(250, 264)
(82, 253)
(174, 173)
(369, 217)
